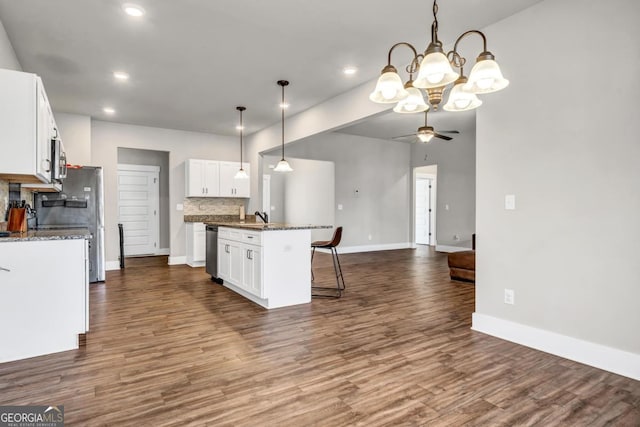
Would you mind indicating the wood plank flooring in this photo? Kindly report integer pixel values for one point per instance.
(168, 347)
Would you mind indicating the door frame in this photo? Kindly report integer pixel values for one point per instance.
(156, 200)
(433, 175)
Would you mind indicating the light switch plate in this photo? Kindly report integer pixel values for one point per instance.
(510, 202)
(179, 207)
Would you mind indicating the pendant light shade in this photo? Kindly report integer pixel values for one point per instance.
(241, 174)
(414, 103)
(461, 99)
(485, 76)
(283, 165)
(435, 69)
(389, 88)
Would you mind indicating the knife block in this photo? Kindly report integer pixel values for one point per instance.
(17, 220)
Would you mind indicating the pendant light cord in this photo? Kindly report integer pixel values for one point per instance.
(241, 109)
(282, 108)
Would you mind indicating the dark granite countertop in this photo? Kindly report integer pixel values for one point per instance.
(57, 234)
(218, 218)
(272, 226)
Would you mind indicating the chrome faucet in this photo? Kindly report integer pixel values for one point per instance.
(263, 216)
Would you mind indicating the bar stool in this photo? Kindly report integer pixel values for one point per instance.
(331, 245)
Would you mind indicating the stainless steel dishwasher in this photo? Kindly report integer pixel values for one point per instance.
(212, 253)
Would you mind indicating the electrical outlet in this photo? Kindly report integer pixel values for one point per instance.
(456, 237)
(509, 296)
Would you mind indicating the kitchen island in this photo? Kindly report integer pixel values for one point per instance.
(44, 297)
(269, 264)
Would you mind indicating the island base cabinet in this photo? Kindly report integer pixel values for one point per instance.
(43, 297)
(274, 270)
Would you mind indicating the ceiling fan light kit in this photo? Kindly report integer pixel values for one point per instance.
(435, 71)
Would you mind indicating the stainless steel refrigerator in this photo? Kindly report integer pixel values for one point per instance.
(79, 205)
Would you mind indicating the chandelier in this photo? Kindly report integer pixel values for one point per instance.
(435, 71)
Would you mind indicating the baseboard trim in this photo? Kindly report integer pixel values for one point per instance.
(369, 248)
(176, 260)
(163, 251)
(597, 355)
(112, 265)
(446, 248)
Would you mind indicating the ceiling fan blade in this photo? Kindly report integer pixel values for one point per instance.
(404, 136)
(449, 131)
(446, 138)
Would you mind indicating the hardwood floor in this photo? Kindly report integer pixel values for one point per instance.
(169, 347)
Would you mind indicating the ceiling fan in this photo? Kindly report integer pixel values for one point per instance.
(426, 133)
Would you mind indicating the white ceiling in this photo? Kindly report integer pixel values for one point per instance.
(193, 61)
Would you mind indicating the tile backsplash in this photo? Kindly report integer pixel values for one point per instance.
(212, 206)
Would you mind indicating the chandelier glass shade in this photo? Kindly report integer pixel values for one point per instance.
(435, 73)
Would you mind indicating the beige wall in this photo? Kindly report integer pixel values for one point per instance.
(563, 138)
(181, 145)
(75, 131)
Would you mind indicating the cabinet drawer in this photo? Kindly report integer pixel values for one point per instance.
(230, 234)
(252, 237)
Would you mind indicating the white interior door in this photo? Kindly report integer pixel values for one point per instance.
(138, 207)
(423, 211)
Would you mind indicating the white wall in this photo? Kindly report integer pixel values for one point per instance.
(306, 194)
(8, 58)
(181, 145)
(380, 171)
(456, 160)
(75, 130)
(563, 138)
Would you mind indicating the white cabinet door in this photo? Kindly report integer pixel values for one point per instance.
(202, 178)
(252, 280)
(25, 120)
(211, 178)
(229, 185)
(44, 134)
(237, 258)
(194, 178)
(224, 259)
(196, 244)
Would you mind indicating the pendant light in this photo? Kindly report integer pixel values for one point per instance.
(283, 165)
(241, 174)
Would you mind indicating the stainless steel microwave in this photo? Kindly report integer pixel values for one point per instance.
(58, 159)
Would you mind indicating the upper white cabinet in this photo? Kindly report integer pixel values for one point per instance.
(202, 178)
(211, 178)
(229, 185)
(28, 127)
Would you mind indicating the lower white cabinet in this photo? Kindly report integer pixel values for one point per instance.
(271, 268)
(240, 263)
(44, 297)
(252, 263)
(196, 244)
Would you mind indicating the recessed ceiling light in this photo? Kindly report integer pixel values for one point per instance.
(109, 110)
(121, 75)
(133, 10)
(349, 71)
(284, 105)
